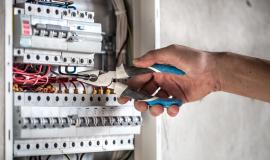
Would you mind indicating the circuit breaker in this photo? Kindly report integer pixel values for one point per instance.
(53, 112)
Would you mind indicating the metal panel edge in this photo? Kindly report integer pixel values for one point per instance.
(147, 37)
(8, 80)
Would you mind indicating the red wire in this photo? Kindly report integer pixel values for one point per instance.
(22, 77)
(84, 88)
(75, 87)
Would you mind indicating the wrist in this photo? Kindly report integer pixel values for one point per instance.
(215, 61)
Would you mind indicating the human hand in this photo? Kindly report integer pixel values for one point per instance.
(199, 81)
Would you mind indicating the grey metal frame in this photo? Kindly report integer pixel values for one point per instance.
(6, 135)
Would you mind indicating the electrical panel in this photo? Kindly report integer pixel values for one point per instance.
(54, 114)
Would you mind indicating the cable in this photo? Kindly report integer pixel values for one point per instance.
(85, 76)
(64, 155)
(128, 156)
(84, 88)
(48, 157)
(118, 55)
(77, 157)
(67, 156)
(81, 157)
(70, 72)
(29, 76)
(121, 29)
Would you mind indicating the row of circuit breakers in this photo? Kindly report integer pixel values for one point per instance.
(74, 120)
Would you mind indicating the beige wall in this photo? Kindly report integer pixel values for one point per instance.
(221, 126)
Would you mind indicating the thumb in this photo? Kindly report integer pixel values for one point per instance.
(151, 58)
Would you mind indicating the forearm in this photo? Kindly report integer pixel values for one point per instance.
(242, 75)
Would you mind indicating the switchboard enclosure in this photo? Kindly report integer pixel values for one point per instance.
(47, 112)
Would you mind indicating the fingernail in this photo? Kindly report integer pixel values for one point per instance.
(174, 111)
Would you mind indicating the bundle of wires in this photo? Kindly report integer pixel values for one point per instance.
(31, 77)
(121, 30)
(31, 74)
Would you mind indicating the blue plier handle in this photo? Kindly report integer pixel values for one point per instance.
(139, 95)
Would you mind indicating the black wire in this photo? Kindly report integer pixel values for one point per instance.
(121, 49)
(77, 157)
(129, 155)
(53, 72)
(70, 72)
(48, 157)
(82, 155)
(91, 77)
(67, 156)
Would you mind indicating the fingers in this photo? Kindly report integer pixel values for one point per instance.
(123, 100)
(141, 106)
(173, 110)
(157, 109)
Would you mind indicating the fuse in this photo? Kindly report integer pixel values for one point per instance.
(108, 91)
(94, 92)
(100, 90)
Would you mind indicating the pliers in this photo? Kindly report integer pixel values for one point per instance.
(108, 79)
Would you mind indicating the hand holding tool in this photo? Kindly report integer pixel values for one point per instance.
(123, 72)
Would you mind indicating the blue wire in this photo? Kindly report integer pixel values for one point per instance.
(70, 72)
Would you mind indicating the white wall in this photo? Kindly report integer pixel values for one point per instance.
(221, 126)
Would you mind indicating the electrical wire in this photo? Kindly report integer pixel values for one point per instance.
(48, 157)
(64, 85)
(85, 76)
(70, 72)
(67, 156)
(128, 155)
(84, 88)
(29, 76)
(122, 155)
(81, 157)
(118, 55)
(121, 29)
(77, 157)
(74, 85)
